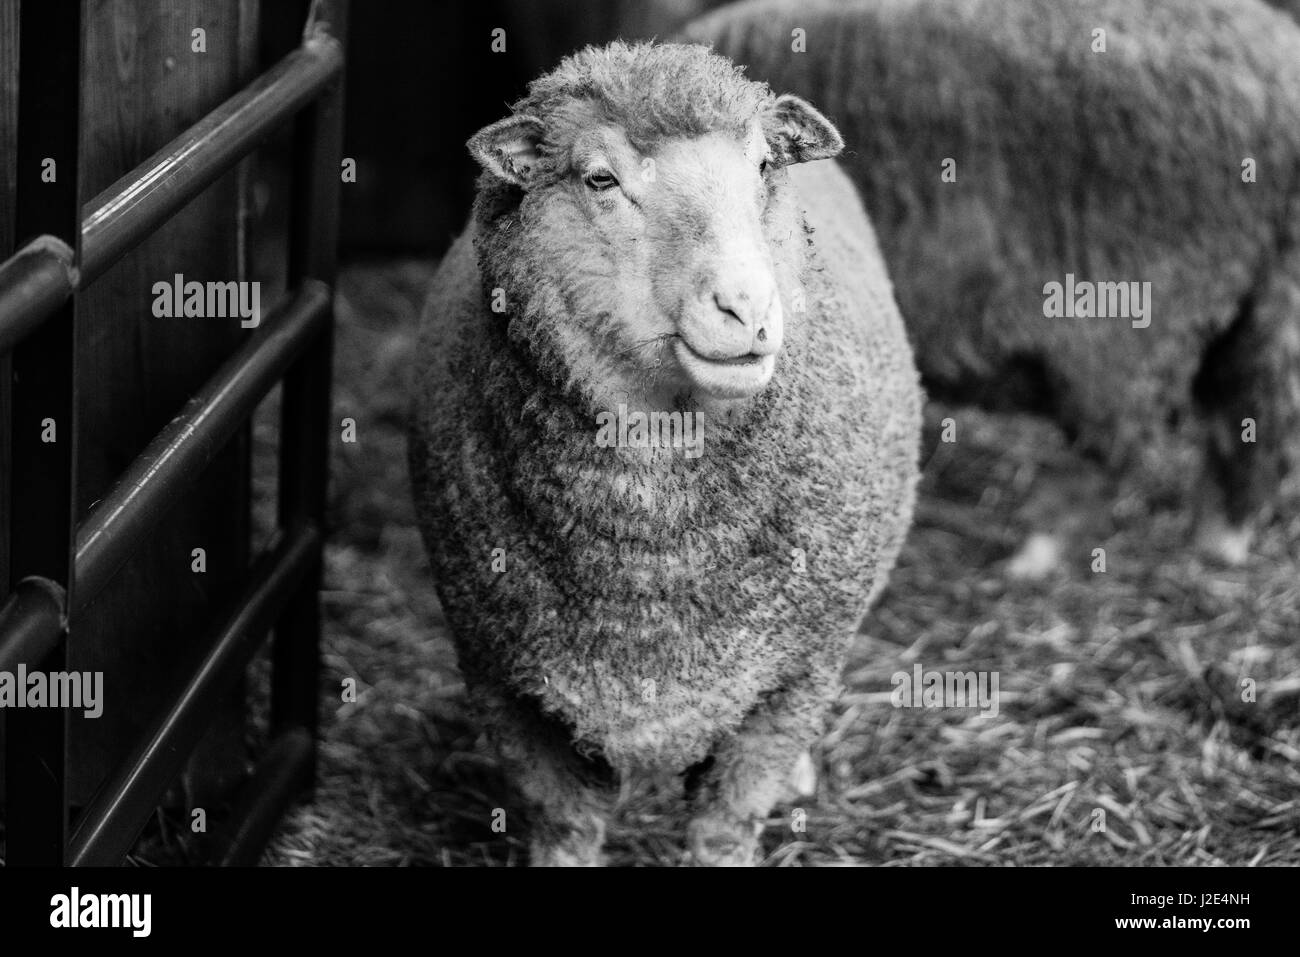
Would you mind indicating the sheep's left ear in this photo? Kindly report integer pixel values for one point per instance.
(798, 133)
(508, 148)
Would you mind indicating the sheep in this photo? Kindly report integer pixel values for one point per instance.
(655, 236)
(1013, 152)
(1291, 6)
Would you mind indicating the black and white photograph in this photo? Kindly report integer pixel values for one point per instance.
(650, 433)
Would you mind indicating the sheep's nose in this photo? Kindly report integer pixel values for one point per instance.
(750, 313)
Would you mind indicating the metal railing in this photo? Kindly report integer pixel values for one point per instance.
(57, 571)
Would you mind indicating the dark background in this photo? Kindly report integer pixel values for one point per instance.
(422, 78)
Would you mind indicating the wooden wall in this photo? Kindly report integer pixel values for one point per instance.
(8, 157)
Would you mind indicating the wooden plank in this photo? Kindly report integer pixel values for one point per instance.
(8, 181)
(8, 151)
(143, 83)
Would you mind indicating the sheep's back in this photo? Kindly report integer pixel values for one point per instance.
(1119, 166)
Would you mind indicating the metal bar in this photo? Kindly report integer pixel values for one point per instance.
(138, 203)
(31, 623)
(305, 413)
(178, 454)
(42, 408)
(282, 774)
(113, 820)
(34, 282)
(39, 278)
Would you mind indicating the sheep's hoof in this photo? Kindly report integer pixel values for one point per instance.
(1224, 543)
(1038, 557)
(723, 842)
(568, 854)
(576, 843)
(803, 779)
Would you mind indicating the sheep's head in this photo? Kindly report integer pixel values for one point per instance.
(636, 218)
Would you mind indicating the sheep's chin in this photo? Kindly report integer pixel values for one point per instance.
(725, 379)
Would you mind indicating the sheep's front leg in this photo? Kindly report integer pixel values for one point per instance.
(1249, 390)
(752, 771)
(568, 797)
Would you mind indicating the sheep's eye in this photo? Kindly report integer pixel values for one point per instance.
(600, 180)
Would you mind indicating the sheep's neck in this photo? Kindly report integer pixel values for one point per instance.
(570, 486)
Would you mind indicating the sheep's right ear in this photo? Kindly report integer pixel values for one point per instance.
(508, 148)
(798, 133)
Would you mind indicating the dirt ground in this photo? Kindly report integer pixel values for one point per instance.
(1121, 737)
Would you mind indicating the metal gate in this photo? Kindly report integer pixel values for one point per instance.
(59, 566)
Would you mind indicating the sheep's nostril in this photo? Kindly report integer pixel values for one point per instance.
(726, 305)
(762, 334)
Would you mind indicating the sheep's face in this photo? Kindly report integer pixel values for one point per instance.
(683, 230)
(667, 255)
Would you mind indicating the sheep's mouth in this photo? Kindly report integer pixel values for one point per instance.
(731, 377)
(746, 360)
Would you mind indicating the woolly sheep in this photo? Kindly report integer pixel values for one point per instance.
(1291, 6)
(652, 245)
(1173, 157)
